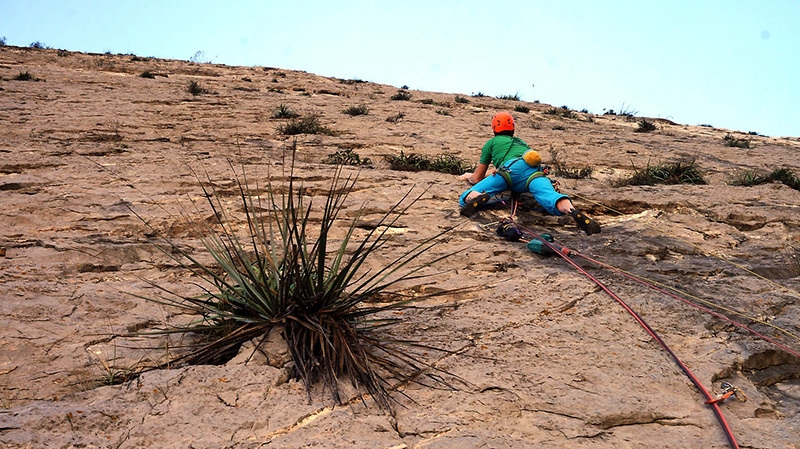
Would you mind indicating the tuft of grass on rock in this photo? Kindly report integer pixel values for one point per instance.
(356, 110)
(625, 111)
(352, 81)
(395, 118)
(460, 99)
(147, 74)
(783, 175)
(401, 95)
(284, 111)
(794, 261)
(750, 178)
(514, 97)
(787, 177)
(25, 76)
(645, 126)
(563, 111)
(195, 88)
(732, 141)
(305, 125)
(672, 173)
(522, 109)
(443, 163)
(561, 169)
(279, 271)
(346, 157)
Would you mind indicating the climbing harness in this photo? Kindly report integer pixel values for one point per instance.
(544, 170)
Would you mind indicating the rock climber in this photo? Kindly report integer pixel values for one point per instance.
(518, 169)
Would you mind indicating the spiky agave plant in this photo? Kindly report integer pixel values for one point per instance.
(282, 275)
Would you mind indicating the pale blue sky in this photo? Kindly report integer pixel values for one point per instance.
(730, 64)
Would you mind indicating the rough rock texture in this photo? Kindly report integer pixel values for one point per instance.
(542, 357)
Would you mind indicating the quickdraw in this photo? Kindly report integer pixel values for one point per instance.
(728, 390)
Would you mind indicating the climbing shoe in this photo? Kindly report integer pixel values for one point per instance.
(472, 205)
(586, 224)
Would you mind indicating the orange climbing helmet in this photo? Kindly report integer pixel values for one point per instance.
(502, 121)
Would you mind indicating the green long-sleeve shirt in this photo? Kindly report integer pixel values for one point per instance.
(501, 148)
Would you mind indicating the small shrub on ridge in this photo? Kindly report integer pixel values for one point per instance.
(305, 125)
(783, 175)
(25, 76)
(673, 173)
(195, 88)
(401, 95)
(346, 157)
(734, 142)
(561, 169)
(284, 111)
(645, 127)
(443, 163)
(356, 110)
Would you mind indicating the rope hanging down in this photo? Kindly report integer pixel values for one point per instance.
(564, 253)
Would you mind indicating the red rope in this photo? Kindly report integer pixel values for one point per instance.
(684, 300)
(564, 252)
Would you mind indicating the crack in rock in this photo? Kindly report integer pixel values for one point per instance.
(634, 419)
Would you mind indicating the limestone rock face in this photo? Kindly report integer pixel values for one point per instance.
(539, 356)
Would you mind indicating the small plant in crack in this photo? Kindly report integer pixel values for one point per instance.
(305, 125)
(645, 126)
(560, 167)
(25, 76)
(401, 95)
(443, 163)
(196, 89)
(514, 97)
(347, 157)
(284, 111)
(680, 172)
(522, 109)
(732, 141)
(356, 110)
